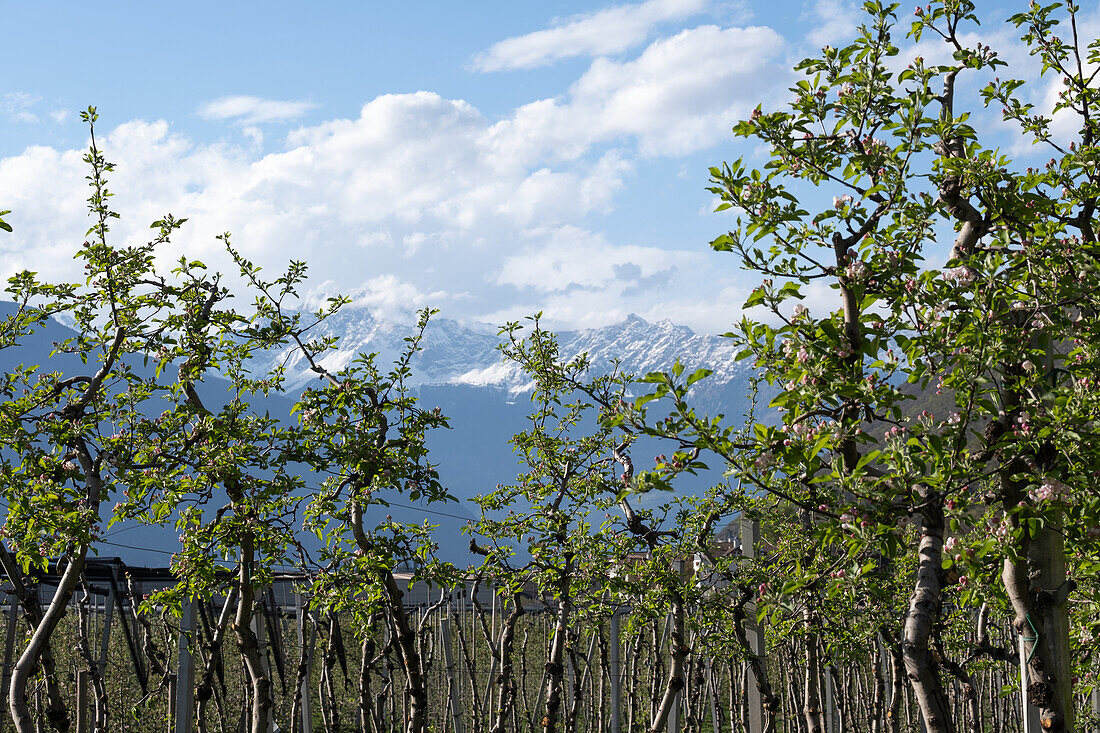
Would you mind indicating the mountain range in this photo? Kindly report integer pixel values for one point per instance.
(459, 370)
(459, 355)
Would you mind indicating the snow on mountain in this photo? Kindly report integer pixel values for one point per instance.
(456, 354)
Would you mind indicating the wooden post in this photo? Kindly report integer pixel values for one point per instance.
(750, 536)
(616, 676)
(488, 697)
(171, 703)
(381, 702)
(82, 701)
(185, 669)
(448, 658)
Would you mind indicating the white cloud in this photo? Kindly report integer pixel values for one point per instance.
(609, 31)
(682, 94)
(16, 106)
(421, 200)
(836, 21)
(247, 110)
(569, 257)
(409, 194)
(388, 297)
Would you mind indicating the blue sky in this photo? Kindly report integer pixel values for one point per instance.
(489, 159)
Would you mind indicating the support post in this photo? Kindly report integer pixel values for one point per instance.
(139, 667)
(1096, 705)
(712, 686)
(305, 647)
(9, 645)
(750, 537)
(616, 673)
(831, 725)
(185, 670)
(1029, 713)
(105, 640)
(448, 658)
(82, 701)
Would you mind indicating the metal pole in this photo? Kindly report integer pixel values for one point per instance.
(615, 672)
(1030, 714)
(131, 644)
(830, 702)
(185, 669)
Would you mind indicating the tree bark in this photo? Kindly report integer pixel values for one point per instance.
(56, 714)
(555, 663)
(32, 612)
(678, 652)
(506, 685)
(811, 709)
(924, 612)
(1037, 588)
(259, 680)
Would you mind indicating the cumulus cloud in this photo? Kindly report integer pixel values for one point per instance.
(422, 200)
(609, 31)
(388, 297)
(569, 257)
(247, 110)
(680, 95)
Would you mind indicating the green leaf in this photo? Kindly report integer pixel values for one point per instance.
(697, 375)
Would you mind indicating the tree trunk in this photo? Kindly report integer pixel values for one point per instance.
(205, 689)
(1037, 588)
(506, 695)
(258, 678)
(417, 721)
(811, 709)
(924, 612)
(679, 651)
(32, 612)
(56, 713)
(555, 663)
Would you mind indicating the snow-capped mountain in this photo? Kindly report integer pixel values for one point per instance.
(455, 354)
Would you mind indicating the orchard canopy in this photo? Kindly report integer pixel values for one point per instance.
(908, 519)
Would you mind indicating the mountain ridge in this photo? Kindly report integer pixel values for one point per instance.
(456, 354)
